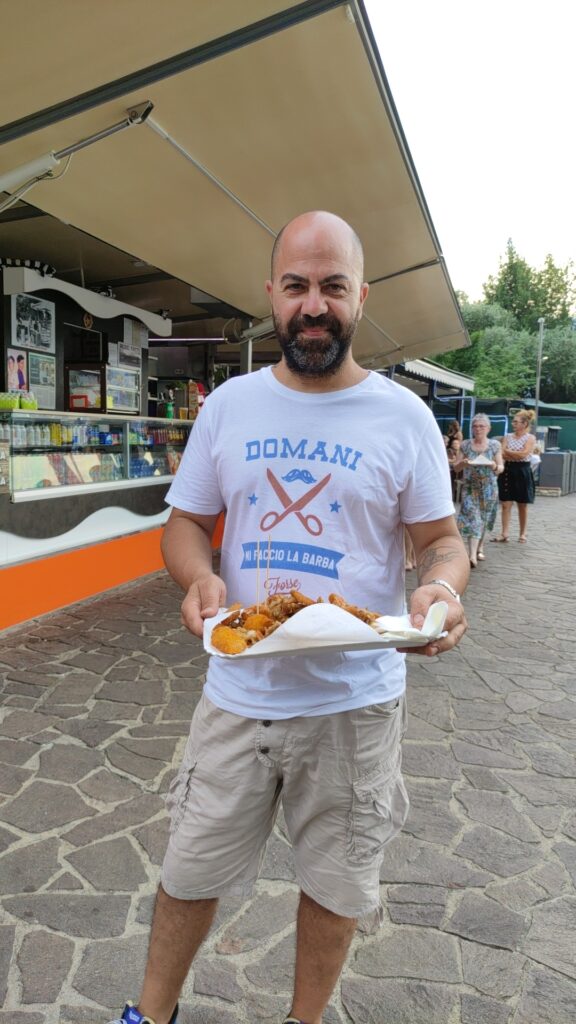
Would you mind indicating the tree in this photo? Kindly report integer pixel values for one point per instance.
(478, 318)
(558, 382)
(506, 365)
(501, 358)
(529, 294)
(479, 315)
(513, 288)
(503, 332)
(555, 292)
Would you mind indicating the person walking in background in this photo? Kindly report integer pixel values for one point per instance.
(319, 733)
(517, 481)
(453, 439)
(453, 433)
(479, 487)
(454, 461)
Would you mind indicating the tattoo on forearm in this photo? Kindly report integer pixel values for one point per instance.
(433, 557)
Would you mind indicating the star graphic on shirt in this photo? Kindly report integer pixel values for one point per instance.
(252, 499)
(335, 506)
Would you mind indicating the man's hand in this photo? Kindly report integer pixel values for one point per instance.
(203, 599)
(456, 624)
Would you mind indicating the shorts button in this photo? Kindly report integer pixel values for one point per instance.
(264, 750)
(266, 722)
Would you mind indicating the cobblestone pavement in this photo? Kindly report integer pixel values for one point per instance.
(479, 890)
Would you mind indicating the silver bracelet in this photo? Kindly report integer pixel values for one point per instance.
(444, 583)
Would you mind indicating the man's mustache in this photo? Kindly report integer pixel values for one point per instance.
(313, 321)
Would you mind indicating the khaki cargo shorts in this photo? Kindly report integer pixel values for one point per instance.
(338, 777)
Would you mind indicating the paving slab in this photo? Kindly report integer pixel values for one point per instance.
(44, 960)
(479, 891)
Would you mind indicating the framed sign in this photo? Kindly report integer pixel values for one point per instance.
(33, 323)
(42, 379)
(16, 370)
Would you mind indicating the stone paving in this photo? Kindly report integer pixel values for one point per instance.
(479, 890)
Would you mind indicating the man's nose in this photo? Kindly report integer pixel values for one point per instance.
(314, 303)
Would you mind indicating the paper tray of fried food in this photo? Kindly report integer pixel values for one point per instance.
(295, 624)
(480, 460)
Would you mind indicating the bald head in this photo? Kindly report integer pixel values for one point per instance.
(319, 232)
(317, 295)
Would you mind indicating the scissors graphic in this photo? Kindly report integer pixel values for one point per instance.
(310, 523)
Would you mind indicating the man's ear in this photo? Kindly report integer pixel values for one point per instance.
(269, 287)
(363, 295)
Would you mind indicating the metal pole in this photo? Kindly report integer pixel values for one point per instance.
(246, 357)
(541, 322)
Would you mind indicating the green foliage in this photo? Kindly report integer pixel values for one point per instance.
(503, 332)
(558, 379)
(506, 363)
(479, 315)
(555, 292)
(528, 294)
(513, 287)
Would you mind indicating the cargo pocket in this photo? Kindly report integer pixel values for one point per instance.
(379, 809)
(177, 795)
(387, 710)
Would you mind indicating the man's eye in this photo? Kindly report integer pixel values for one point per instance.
(334, 287)
(294, 287)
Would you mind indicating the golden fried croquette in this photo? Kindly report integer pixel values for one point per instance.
(258, 621)
(228, 640)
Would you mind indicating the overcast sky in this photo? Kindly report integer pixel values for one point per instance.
(486, 94)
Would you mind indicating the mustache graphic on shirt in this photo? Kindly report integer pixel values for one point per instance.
(299, 474)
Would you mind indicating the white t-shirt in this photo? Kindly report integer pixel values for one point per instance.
(374, 457)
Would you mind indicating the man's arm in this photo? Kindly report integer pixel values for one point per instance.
(440, 554)
(187, 552)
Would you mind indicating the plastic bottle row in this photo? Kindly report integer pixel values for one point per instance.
(55, 435)
(142, 434)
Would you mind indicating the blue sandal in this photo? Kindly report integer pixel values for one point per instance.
(132, 1015)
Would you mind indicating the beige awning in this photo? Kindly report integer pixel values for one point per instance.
(262, 109)
(440, 374)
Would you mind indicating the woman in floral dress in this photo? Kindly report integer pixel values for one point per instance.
(479, 486)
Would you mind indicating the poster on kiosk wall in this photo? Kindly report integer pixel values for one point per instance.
(42, 379)
(33, 323)
(16, 370)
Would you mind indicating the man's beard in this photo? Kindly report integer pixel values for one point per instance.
(315, 357)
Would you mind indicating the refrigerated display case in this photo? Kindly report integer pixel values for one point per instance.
(99, 387)
(56, 454)
(84, 387)
(122, 389)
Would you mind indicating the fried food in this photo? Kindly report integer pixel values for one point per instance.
(359, 613)
(258, 621)
(244, 627)
(228, 640)
(301, 598)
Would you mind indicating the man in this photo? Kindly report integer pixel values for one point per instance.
(320, 732)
